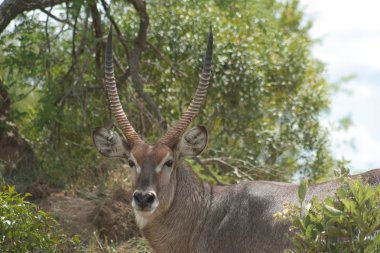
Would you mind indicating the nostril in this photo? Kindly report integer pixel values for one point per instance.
(143, 199)
(150, 198)
(138, 197)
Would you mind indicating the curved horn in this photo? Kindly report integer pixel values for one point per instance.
(113, 96)
(173, 135)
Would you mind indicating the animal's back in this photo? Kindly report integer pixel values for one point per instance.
(240, 218)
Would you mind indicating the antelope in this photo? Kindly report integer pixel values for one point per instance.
(177, 212)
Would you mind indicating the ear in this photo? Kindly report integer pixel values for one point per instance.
(109, 142)
(194, 141)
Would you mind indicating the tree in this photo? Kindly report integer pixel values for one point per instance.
(17, 159)
(9, 9)
(263, 104)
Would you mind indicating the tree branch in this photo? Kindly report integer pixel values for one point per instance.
(97, 24)
(208, 171)
(144, 23)
(134, 62)
(35, 85)
(5, 103)
(117, 29)
(134, 54)
(126, 72)
(65, 21)
(9, 9)
(220, 161)
(166, 59)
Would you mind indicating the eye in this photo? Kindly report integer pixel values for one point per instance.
(131, 163)
(169, 163)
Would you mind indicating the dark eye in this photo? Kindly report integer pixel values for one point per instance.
(169, 163)
(131, 163)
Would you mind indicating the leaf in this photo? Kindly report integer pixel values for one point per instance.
(349, 205)
(333, 210)
(310, 232)
(302, 189)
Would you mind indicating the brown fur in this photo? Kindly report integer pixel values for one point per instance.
(195, 217)
(236, 218)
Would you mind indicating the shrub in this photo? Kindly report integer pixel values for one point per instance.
(25, 228)
(347, 222)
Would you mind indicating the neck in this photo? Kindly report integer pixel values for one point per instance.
(173, 229)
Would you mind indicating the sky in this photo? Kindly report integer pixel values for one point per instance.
(350, 35)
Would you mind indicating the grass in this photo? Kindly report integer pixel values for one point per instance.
(133, 245)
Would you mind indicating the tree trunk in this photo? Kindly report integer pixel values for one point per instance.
(18, 164)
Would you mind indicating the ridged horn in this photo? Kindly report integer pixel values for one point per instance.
(173, 135)
(113, 96)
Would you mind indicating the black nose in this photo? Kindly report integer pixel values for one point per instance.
(144, 199)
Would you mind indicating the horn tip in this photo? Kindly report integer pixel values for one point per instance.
(109, 39)
(210, 42)
(108, 52)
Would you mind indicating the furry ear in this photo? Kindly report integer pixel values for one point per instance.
(109, 142)
(194, 141)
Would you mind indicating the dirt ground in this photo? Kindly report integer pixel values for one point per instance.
(112, 217)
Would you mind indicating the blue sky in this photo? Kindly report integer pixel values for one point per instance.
(350, 33)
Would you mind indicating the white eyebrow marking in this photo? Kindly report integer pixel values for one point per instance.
(159, 166)
(138, 169)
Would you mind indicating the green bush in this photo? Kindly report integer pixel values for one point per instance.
(347, 222)
(25, 228)
(262, 108)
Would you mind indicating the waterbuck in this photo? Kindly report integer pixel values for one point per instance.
(174, 209)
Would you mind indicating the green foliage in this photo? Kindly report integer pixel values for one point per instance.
(347, 222)
(262, 108)
(25, 228)
(266, 90)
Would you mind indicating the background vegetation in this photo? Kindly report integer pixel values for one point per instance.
(25, 228)
(262, 109)
(347, 222)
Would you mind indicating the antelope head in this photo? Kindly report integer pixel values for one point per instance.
(152, 166)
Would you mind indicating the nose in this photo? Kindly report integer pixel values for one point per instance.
(144, 199)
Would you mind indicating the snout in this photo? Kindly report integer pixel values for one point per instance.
(144, 200)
